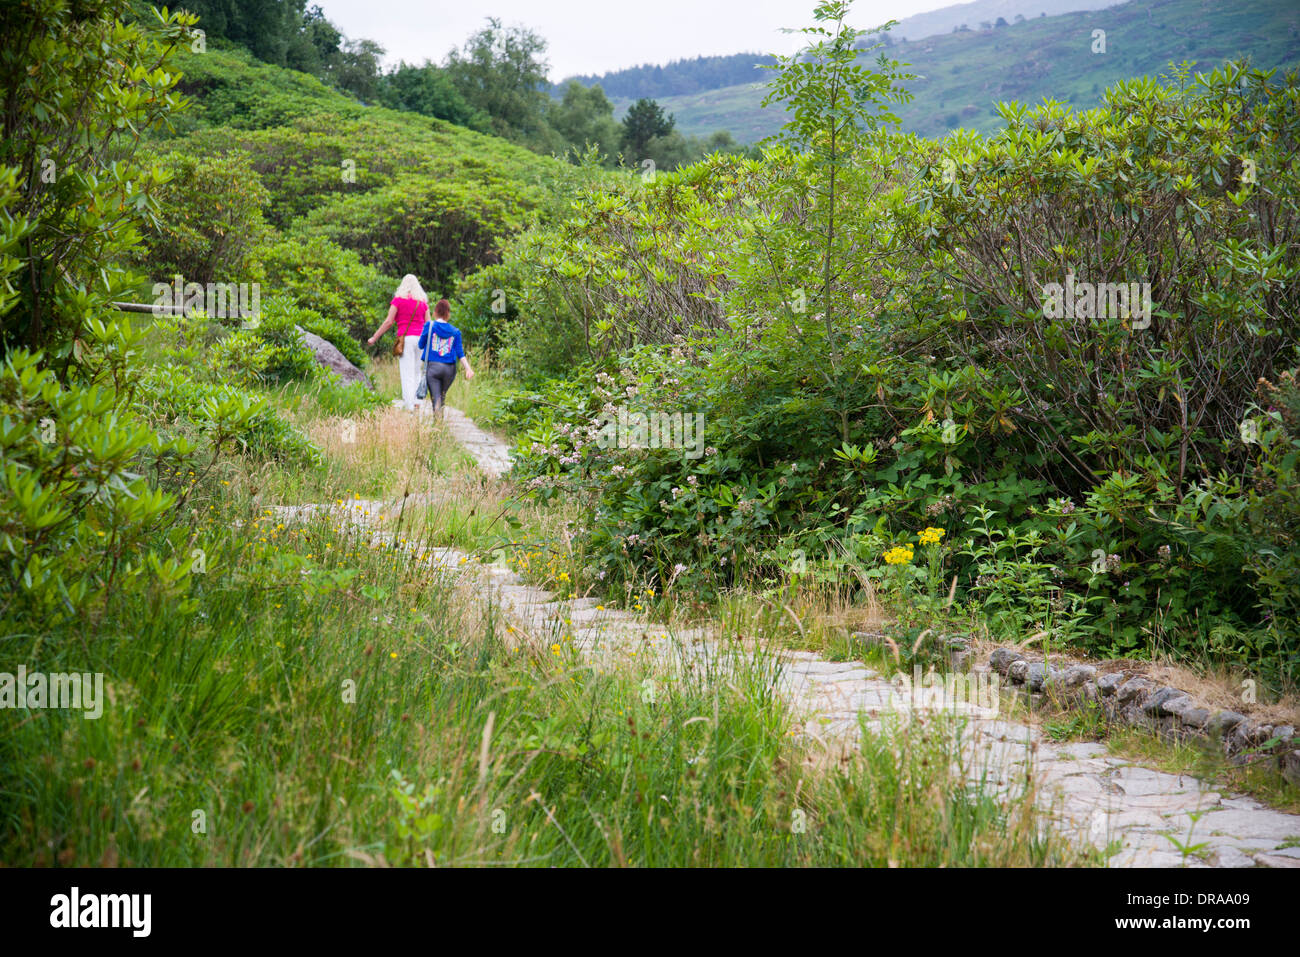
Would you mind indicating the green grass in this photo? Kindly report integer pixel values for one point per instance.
(235, 717)
(311, 699)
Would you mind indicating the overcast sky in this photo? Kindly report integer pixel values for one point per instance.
(595, 36)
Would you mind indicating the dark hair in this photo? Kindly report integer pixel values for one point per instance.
(443, 309)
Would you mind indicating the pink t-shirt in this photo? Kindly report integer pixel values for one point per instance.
(410, 316)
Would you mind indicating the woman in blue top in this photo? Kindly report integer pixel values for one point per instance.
(440, 346)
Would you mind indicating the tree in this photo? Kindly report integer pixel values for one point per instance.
(357, 69)
(502, 72)
(832, 101)
(316, 45)
(644, 122)
(428, 90)
(266, 27)
(210, 217)
(585, 117)
(80, 87)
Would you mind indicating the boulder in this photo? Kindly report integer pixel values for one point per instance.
(1076, 675)
(1291, 767)
(1195, 717)
(328, 355)
(1107, 684)
(1133, 690)
(1221, 722)
(1248, 735)
(1153, 702)
(1039, 675)
(1002, 658)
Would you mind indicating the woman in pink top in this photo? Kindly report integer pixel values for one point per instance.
(409, 309)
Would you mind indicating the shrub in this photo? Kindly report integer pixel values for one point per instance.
(173, 396)
(1086, 477)
(211, 217)
(76, 517)
(348, 297)
(435, 228)
(76, 76)
(288, 356)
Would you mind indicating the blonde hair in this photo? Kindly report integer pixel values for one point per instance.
(410, 288)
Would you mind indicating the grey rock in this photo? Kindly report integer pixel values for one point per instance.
(1132, 713)
(1247, 735)
(1038, 675)
(1076, 675)
(1195, 717)
(1152, 703)
(1178, 705)
(1107, 684)
(1230, 857)
(328, 355)
(1276, 860)
(1284, 733)
(1222, 722)
(1018, 670)
(1002, 658)
(1132, 690)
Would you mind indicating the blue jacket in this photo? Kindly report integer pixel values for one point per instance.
(440, 342)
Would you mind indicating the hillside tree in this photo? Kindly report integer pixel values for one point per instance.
(502, 71)
(645, 121)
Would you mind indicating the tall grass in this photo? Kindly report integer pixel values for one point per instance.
(317, 698)
(233, 737)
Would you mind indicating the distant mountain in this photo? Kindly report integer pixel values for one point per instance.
(948, 19)
(677, 78)
(704, 73)
(963, 75)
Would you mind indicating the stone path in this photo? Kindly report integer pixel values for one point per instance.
(1090, 794)
(492, 457)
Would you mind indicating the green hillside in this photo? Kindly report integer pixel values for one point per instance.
(962, 76)
(339, 198)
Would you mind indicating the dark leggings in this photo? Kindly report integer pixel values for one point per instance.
(439, 376)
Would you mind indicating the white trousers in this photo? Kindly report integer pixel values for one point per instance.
(410, 366)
